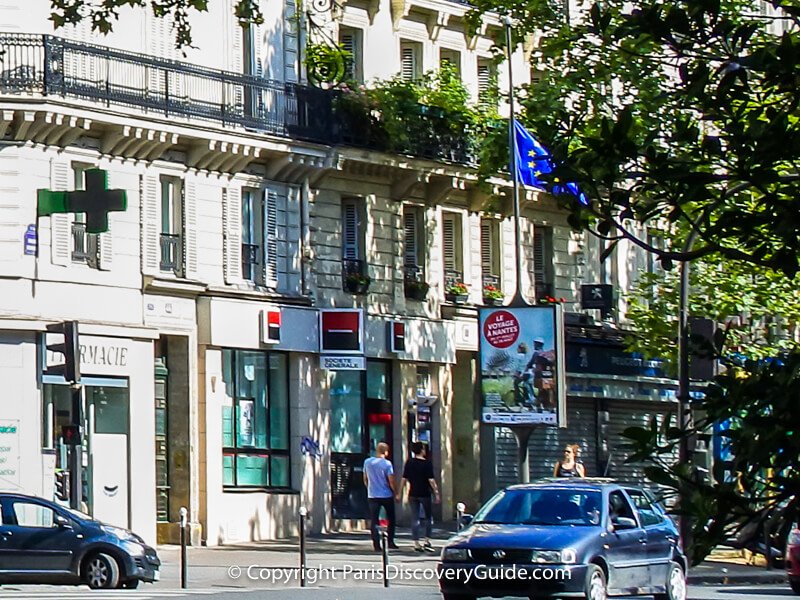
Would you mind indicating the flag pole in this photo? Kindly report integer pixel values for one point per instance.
(522, 433)
(519, 298)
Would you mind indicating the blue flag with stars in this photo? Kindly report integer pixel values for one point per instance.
(532, 161)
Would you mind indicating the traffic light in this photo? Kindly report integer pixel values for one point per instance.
(71, 435)
(69, 348)
(62, 485)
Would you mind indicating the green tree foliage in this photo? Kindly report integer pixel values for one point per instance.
(104, 14)
(758, 402)
(682, 109)
(759, 308)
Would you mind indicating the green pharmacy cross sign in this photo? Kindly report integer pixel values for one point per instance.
(96, 201)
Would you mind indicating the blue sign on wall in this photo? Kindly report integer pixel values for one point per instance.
(31, 241)
(610, 360)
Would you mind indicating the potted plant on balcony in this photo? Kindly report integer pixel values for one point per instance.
(356, 283)
(416, 290)
(492, 296)
(457, 292)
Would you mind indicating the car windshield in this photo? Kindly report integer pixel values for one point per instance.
(549, 507)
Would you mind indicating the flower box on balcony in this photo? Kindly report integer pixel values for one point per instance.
(356, 284)
(457, 298)
(416, 290)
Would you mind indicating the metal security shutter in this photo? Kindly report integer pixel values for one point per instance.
(350, 249)
(410, 250)
(624, 414)
(546, 444)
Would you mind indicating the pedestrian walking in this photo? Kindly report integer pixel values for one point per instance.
(576, 453)
(567, 467)
(418, 473)
(379, 479)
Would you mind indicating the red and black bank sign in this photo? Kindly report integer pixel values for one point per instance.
(341, 330)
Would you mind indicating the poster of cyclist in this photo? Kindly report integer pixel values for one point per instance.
(522, 366)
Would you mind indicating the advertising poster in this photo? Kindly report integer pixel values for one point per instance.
(522, 366)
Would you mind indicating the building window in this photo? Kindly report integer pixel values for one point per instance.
(452, 249)
(84, 244)
(490, 252)
(543, 261)
(354, 265)
(252, 236)
(414, 243)
(350, 40)
(255, 419)
(450, 59)
(410, 60)
(487, 82)
(171, 225)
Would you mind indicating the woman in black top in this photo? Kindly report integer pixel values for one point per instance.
(567, 467)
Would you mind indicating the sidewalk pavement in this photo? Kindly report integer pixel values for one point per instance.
(211, 566)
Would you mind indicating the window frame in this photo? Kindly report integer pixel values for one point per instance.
(267, 451)
(414, 51)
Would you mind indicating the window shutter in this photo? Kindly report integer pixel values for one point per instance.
(540, 255)
(408, 62)
(60, 224)
(190, 229)
(271, 237)
(348, 44)
(232, 233)
(484, 79)
(350, 230)
(289, 265)
(150, 195)
(487, 248)
(411, 254)
(449, 242)
(290, 42)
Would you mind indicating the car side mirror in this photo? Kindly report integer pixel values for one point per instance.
(623, 523)
(62, 522)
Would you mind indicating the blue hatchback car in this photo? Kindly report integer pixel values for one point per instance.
(43, 542)
(570, 538)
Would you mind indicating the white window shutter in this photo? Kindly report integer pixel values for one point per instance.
(449, 242)
(190, 242)
(289, 267)
(487, 249)
(291, 48)
(484, 78)
(232, 233)
(410, 252)
(150, 200)
(350, 230)
(271, 237)
(408, 63)
(60, 224)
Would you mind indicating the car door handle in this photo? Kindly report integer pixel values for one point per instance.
(6, 533)
(643, 540)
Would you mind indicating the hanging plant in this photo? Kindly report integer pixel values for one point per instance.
(325, 64)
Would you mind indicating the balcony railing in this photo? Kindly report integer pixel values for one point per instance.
(53, 66)
(249, 261)
(81, 247)
(170, 253)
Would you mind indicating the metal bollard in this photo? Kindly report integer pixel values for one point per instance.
(460, 508)
(184, 565)
(303, 512)
(385, 556)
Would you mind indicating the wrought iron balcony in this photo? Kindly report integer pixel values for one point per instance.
(171, 259)
(56, 67)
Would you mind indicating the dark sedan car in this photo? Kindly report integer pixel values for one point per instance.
(42, 542)
(566, 538)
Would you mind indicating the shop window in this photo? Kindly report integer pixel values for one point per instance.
(347, 419)
(255, 420)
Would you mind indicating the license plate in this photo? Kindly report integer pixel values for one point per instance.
(156, 575)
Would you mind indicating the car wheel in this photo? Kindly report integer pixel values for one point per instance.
(131, 584)
(595, 586)
(101, 572)
(676, 584)
(795, 583)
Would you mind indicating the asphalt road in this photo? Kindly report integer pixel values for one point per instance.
(360, 592)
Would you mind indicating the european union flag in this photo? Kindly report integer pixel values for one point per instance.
(532, 160)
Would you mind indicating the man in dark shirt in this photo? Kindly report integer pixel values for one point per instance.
(418, 472)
